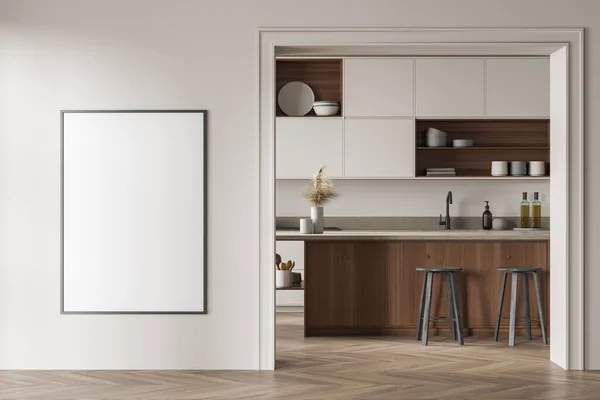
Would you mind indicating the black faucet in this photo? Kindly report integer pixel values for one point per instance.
(446, 222)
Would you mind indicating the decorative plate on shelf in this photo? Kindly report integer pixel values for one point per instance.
(295, 99)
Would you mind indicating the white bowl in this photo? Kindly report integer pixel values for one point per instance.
(435, 138)
(462, 143)
(326, 110)
(434, 132)
(326, 103)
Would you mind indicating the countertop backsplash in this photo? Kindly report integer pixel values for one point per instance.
(415, 198)
(398, 223)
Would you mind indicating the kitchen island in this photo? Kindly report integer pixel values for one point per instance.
(365, 282)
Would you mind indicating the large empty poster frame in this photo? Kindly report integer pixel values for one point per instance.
(133, 211)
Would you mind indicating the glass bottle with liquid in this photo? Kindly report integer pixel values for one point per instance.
(525, 211)
(536, 211)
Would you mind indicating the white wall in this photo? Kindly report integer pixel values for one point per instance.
(64, 54)
(404, 198)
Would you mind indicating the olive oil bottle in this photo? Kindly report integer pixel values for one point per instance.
(525, 211)
(536, 211)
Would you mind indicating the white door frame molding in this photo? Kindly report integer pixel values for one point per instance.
(566, 186)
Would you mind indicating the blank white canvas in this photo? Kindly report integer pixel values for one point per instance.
(133, 212)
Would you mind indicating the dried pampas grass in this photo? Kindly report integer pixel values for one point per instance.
(321, 190)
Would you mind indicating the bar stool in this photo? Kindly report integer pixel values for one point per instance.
(516, 271)
(425, 308)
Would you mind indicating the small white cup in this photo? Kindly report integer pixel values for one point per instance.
(537, 168)
(499, 168)
(306, 225)
(518, 168)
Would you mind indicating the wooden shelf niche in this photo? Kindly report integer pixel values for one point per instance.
(494, 140)
(324, 76)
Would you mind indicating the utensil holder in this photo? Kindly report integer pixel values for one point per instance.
(283, 279)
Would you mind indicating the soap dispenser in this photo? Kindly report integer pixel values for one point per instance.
(486, 219)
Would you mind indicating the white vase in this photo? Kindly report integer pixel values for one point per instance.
(283, 278)
(316, 214)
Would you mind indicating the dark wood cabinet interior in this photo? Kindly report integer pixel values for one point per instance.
(494, 140)
(324, 76)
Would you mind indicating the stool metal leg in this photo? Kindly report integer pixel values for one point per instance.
(500, 303)
(540, 308)
(456, 309)
(513, 308)
(527, 307)
(421, 307)
(427, 313)
(451, 317)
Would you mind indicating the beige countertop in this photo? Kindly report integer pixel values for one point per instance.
(459, 234)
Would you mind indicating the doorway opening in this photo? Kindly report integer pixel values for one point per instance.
(563, 47)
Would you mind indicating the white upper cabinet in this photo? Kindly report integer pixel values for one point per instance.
(378, 87)
(518, 87)
(379, 148)
(305, 144)
(450, 87)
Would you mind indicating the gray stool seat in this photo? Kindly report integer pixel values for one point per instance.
(425, 308)
(519, 269)
(515, 272)
(439, 269)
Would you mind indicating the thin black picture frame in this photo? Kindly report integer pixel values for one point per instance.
(204, 113)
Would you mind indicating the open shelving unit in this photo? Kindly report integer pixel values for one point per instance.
(494, 140)
(323, 75)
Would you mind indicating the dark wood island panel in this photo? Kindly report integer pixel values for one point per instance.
(404, 283)
(484, 282)
(348, 284)
(372, 288)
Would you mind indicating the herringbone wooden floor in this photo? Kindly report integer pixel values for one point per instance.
(334, 368)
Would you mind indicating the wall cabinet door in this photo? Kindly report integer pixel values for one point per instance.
(484, 282)
(291, 250)
(450, 87)
(404, 282)
(518, 87)
(379, 87)
(379, 148)
(345, 284)
(304, 144)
